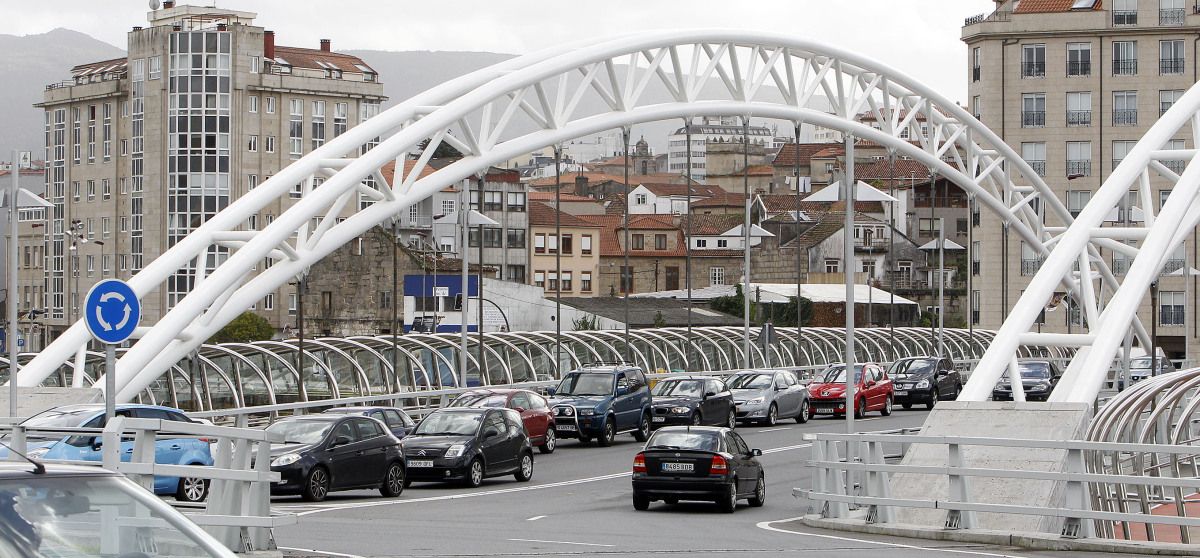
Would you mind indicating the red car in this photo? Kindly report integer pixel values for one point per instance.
(535, 412)
(873, 393)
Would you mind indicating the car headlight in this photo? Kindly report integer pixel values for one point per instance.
(285, 459)
(680, 410)
(1042, 385)
(37, 453)
(755, 401)
(456, 450)
(587, 412)
(923, 384)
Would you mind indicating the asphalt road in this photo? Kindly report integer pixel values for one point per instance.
(578, 504)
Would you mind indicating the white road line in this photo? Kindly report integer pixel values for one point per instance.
(766, 525)
(562, 542)
(786, 448)
(535, 518)
(776, 429)
(320, 552)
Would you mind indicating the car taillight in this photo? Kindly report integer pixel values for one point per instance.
(719, 465)
(208, 440)
(639, 463)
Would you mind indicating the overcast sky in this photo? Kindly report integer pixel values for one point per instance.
(919, 37)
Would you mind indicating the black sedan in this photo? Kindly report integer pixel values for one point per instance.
(397, 421)
(324, 453)
(924, 379)
(698, 463)
(468, 445)
(694, 400)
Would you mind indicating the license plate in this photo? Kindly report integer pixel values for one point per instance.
(825, 408)
(659, 419)
(420, 463)
(566, 427)
(901, 392)
(678, 467)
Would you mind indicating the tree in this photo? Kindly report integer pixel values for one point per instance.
(244, 329)
(442, 151)
(731, 305)
(785, 314)
(585, 323)
(659, 320)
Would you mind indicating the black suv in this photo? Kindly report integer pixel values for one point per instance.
(924, 379)
(600, 401)
(694, 400)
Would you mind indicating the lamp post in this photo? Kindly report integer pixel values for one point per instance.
(747, 362)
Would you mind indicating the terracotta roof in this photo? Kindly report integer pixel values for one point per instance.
(724, 199)
(389, 173)
(827, 224)
(708, 225)
(783, 203)
(320, 59)
(542, 215)
(569, 179)
(882, 169)
(113, 65)
(549, 196)
(1050, 6)
(787, 154)
(660, 189)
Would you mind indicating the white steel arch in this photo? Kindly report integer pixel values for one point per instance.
(763, 75)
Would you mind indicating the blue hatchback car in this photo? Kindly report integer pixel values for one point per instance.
(170, 451)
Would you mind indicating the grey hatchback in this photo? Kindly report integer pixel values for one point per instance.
(767, 396)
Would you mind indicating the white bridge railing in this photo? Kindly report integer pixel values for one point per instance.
(237, 511)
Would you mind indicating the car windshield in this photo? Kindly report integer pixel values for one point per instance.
(1031, 371)
(680, 388)
(837, 374)
(60, 516)
(683, 440)
(449, 424)
(302, 431)
(750, 381)
(585, 384)
(1140, 362)
(914, 367)
(56, 418)
(480, 400)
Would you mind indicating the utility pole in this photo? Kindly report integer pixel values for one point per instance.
(848, 267)
(10, 296)
(627, 272)
(748, 361)
(799, 250)
(558, 260)
(687, 276)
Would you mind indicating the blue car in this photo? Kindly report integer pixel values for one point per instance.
(169, 451)
(600, 401)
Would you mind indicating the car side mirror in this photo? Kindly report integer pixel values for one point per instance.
(340, 441)
(490, 433)
(708, 394)
(622, 390)
(97, 443)
(755, 452)
(551, 391)
(519, 409)
(780, 388)
(870, 383)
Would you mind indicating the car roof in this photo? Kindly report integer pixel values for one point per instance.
(494, 391)
(100, 407)
(23, 469)
(712, 429)
(331, 417)
(687, 377)
(348, 410)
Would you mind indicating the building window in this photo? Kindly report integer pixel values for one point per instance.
(539, 243)
(270, 104)
(516, 273)
(296, 128)
(1124, 12)
(716, 275)
(318, 124)
(722, 243)
(975, 107)
(1076, 200)
(585, 244)
(1125, 58)
(639, 242)
(566, 281)
(1170, 12)
(976, 256)
(976, 60)
(1170, 57)
(1033, 61)
(701, 243)
(1079, 59)
(585, 281)
(341, 113)
(106, 188)
(251, 181)
(252, 103)
(975, 307)
(1079, 159)
(252, 143)
(927, 226)
(1079, 108)
(567, 243)
(516, 201)
(493, 237)
(516, 238)
(1033, 110)
(1125, 108)
(833, 265)
(255, 64)
(660, 242)
(269, 146)
(447, 207)
(1034, 153)
(1031, 261)
(539, 279)
(1120, 149)
(639, 199)
(1170, 308)
(1167, 99)
(91, 190)
(155, 67)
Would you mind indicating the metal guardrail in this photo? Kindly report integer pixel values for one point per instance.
(851, 470)
(237, 511)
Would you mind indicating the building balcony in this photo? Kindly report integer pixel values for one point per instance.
(1081, 167)
(1078, 68)
(1171, 16)
(416, 222)
(1120, 266)
(1125, 118)
(1079, 118)
(1170, 66)
(1125, 67)
(872, 245)
(975, 73)
(1038, 166)
(1123, 18)
(1175, 166)
(1031, 267)
(1033, 118)
(1033, 69)
(1172, 265)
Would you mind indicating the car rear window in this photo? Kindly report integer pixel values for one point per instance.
(678, 439)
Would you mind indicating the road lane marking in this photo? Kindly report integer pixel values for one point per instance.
(562, 542)
(320, 552)
(776, 429)
(535, 518)
(766, 525)
(786, 448)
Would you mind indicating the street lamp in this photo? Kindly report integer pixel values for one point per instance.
(77, 234)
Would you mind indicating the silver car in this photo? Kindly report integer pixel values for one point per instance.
(766, 396)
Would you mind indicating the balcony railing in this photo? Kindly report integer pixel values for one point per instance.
(1125, 67)
(1170, 315)
(1079, 118)
(1038, 166)
(1164, 107)
(1082, 167)
(975, 73)
(1124, 118)
(1172, 265)
(1125, 17)
(1031, 267)
(1120, 266)
(957, 201)
(1171, 16)
(1170, 66)
(872, 244)
(1175, 166)
(1079, 68)
(1033, 118)
(417, 221)
(1033, 69)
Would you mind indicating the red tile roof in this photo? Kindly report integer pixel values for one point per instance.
(882, 169)
(313, 58)
(549, 196)
(1050, 6)
(542, 215)
(783, 203)
(698, 190)
(709, 225)
(787, 154)
(569, 179)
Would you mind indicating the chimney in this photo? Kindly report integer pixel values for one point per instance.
(137, 27)
(269, 45)
(325, 45)
(581, 185)
(168, 4)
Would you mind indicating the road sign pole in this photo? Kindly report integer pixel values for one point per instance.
(13, 279)
(110, 382)
(111, 312)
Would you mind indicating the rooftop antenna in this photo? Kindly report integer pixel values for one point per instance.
(154, 5)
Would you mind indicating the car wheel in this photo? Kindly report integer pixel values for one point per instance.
(732, 422)
(610, 433)
(316, 486)
(641, 502)
(760, 493)
(933, 399)
(728, 502)
(393, 481)
(957, 391)
(772, 415)
(525, 471)
(550, 442)
(860, 408)
(643, 432)
(697, 419)
(887, 407)
(474, 474)
(192, 489)
(906, 405)
(805, 413)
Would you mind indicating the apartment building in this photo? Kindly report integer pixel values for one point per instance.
(566, 243)
(1072, 85)
(712, 130)
(142, 150)
(31, 229)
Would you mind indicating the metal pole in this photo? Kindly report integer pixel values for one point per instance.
(971, 270)
(464, 218)
(110, 383)
(848, 258)
(892, 254)
(558, 260)
(933, 289)
(13, 278)
(747, 361)
(395, 301)
(479, 287)
(1154, 328)
(941, 286)
(796, 240)
(626, 284)
(687, 276)
(300, 337)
